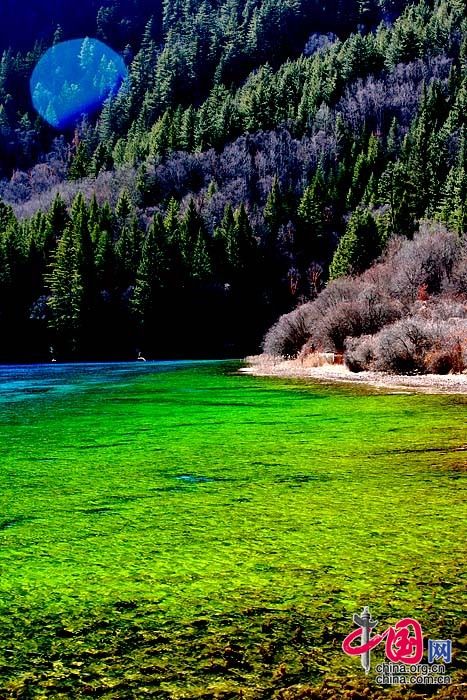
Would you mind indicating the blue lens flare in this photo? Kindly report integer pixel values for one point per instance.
(75, 78)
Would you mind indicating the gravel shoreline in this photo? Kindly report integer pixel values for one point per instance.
(430, 383)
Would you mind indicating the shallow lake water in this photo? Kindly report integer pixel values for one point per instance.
(223, 510)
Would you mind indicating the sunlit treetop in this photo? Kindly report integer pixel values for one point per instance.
(75, 78)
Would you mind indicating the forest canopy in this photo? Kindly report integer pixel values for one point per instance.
(256, 151)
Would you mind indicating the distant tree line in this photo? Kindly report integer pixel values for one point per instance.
(91, 282)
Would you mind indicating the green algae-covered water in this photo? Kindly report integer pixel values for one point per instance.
(177, 529)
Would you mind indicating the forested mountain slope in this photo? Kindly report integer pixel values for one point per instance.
(177, 50)
(212, 192)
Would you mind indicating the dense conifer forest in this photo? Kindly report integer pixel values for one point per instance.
(257, 150)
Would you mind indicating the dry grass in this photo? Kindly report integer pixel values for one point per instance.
(305, 361)
(311, 368)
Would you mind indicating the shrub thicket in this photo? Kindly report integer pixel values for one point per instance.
(407, 313)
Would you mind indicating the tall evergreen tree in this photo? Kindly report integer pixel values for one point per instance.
(312, 217)
(453, 207)
(275, 211)
(150, 276)
(358, 247)
(66, 295)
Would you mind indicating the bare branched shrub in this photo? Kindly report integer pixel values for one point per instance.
(440, 309)
(417, 345)
(450, 359)
(288, 335)
(425, 262)
(458, 281)
(402, 346)
(342, 321)
(381, 319)
(413, 345)
(360, 353)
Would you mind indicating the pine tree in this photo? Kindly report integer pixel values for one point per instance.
(144, 184)
(80, 163)
(5, 272)
(417, 157)
(190, 228)
(245, 241)
(212, 189)
(171, 220)
(66, 294)
(16, 246)
(392, 143)
(358, 247)
(82, 238)
(58, 35)
(188, 130)
(94, 215)
(224, 244)
(370, 193)
(104, 260)
(124, 208)
(201, 267)
(127, 251)
(100, 160)
(150, 276)
(159, 137)
(41, 243)
(175, 247)
(7, 215)
(366, 164)
(312, 217)
(275, 211)
(453, 208)
(106, 218)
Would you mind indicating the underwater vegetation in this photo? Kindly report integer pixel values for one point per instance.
(176, 530)
(74, 78)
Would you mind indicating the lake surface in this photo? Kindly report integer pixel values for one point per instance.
(145, 504)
